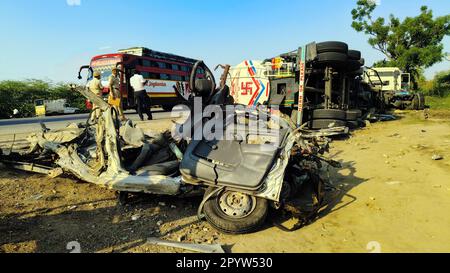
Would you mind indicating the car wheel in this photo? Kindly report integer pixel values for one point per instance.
(234, 212)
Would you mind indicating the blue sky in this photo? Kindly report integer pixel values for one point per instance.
(50, 39)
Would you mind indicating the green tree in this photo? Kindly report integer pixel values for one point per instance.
(21, 95)
(412, 44)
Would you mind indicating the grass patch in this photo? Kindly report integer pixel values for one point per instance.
(438, 103)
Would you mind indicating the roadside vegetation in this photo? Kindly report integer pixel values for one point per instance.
(437, 90)
(21, 95)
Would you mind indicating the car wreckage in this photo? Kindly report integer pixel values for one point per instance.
(242, 175)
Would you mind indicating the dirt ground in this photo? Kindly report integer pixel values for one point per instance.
(394, 198)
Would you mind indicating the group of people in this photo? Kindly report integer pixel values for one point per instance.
(137, 83)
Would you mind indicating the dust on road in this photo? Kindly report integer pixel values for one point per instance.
(393, 196)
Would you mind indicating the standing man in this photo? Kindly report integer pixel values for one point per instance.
(96, 87)
(142, 100)
(115, 96)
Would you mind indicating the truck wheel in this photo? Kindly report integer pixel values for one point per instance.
(234, 212)
(329, 114)
(332, 47)
(353, 124)
(362, 62)
(415, 103)
(332, 58)
(352, 65)
(421, 98)
(353, 115)
(327, 123)
(354, 55)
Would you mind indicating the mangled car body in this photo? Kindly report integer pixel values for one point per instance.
(244, 171)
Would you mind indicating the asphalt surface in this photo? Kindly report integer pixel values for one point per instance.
(20, 128)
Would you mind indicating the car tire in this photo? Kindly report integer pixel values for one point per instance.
(354, 114)
(235, 225)
(327, 123)
(354, 55)
(332, 46)
(329, 114)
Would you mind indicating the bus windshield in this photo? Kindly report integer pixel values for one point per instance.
(104, 66)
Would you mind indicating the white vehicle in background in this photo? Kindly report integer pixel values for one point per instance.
(54, 107)
(395, 87)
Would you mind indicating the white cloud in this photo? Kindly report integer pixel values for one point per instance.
(73, 2)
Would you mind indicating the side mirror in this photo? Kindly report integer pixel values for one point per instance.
(81, 69)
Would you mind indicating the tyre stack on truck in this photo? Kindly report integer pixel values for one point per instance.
(337, 91)
(334, 70)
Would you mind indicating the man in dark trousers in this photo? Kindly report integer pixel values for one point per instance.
(138, 82)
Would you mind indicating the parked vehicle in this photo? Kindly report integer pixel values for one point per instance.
(395, 87)
(53, 107)
(165, 73)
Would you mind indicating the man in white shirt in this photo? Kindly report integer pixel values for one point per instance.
(143, 104)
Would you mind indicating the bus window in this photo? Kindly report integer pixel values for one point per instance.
(161, 65)
(175, 67)
(184, 68)
(146, 63)
(176, 78)
(164, 77)
(150, 75)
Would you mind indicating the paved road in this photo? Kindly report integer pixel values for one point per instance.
(20, 128)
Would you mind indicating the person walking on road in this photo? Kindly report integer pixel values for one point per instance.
(115, 96)
(96, 87)
(142, 99)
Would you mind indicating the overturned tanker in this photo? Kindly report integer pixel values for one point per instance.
(242, 175)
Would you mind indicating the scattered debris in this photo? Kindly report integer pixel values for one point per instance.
(135, 217)
(391, 183)
(37, 197)
(437, 157)
(201, 248)
(159, 223)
